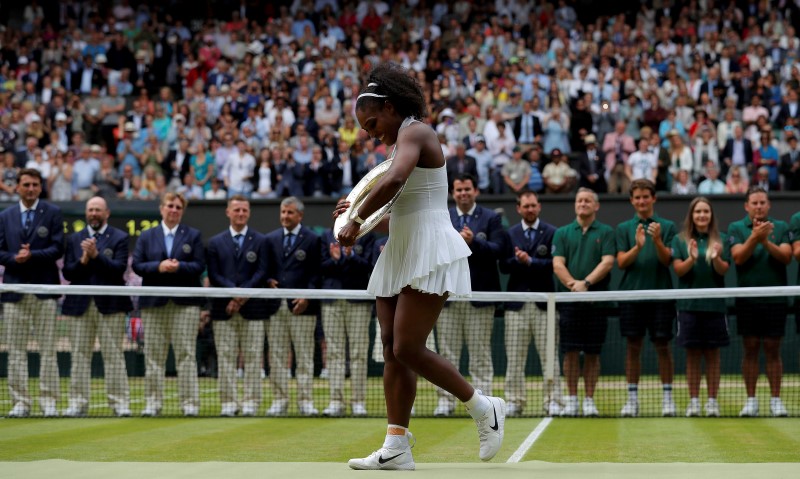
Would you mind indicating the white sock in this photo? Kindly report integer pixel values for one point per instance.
(477, 405)
(572, 399)
(633, 392)
(396, 441)
(695, 401)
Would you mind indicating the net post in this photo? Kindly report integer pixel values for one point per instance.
(550, 347)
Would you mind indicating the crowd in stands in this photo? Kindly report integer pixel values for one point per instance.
(134, 99)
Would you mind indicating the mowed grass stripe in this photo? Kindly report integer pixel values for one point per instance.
(240, 439)
(648, 440)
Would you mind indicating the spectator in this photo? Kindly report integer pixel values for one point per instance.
(738, 151)
(583, 325)
(8, 177)
(296, 252)
(239, 170)
(216, 192)
(558, 176)
(461, 164)
(705, 151)
(701, 260)
(737, 182)
(642, 164)
(766, 156)
(464, 323)
(591, 166)
(683, 184)
(761, 249)
(617, 147)
(712, 185)
(517, 172)
(98, 255)
(344, 173)
(644, 256)
(528, 262)
(483, 164)
(790, 164)
(84, 175)
(238, 258)
(264, 176)
(202, 166)
(31, 242)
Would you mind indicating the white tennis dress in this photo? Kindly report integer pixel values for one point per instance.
(424, 251)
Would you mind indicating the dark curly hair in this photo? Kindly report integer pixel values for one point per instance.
(400, 89)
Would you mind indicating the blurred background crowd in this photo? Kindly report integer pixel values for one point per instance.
(131, 99)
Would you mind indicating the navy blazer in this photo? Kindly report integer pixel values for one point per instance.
(536, 277)
(350, 272)
(487, 247)
(107, 269)
(46, 240)
(299, 266)
(187, 248)
(377, 248)
(249, 269)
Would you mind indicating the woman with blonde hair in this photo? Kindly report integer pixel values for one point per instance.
(737, 182)
(701, 260)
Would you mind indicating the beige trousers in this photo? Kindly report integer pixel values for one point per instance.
(286, 329)
(347, 323)
(231, 336)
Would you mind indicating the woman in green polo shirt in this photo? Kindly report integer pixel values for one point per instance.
(701, 261)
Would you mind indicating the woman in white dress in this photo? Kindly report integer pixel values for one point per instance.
(424, 261)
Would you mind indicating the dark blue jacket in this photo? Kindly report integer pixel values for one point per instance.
(299, 266)
(107, 269)
(187, 248)
(536, 277)
(350, 272)
(46, 239)
(487, 248)
(248, 269)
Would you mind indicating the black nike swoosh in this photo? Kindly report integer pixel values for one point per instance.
(381, 460)
(496, 426)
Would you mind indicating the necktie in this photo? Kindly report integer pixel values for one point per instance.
(463, 221)
(288, 241)
(28, 220)
(529, 235)
(237, 244)
(168, 243)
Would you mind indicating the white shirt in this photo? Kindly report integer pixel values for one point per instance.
(642, 165)
(234, 232)
(167, 231)
(238, 168)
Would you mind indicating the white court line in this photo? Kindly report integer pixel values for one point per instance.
(528, 442)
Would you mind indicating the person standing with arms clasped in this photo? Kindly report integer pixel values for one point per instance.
(701, 260)
(467, 323)
(583, 255)
(529, 263)
(424, 261)
(168, 255)
(238, 258)
(98, 255)
(643, 255)
(31, 242)
(346, 322)
(761, 250)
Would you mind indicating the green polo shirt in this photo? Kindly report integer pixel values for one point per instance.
(702, 274)
(794, 235)
(761, 269)
(582, 252)
(646, 272)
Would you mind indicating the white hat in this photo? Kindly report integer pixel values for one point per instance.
(60, 116)
(95, 149)
(255, 47)
(34, 117)
(589, 139)
(100, 58)
(23, 60)
(179, 116)
(130, 126)
(447, 112)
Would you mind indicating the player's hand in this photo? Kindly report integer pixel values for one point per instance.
(341, 207)
(349, 234)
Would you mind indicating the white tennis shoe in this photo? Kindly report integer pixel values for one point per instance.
(491, 428)
(387, 458)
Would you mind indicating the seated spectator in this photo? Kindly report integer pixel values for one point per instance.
(737, 182)
(201, 165)
(683, 184)
(558, 176)
(790, 164)
(348, 131)
(106, 181)
(766, 156)
(189, 189)
(705, 151)
(137, 191)
(216, 192)
(483, 163)
(517, 172)
(264, 176)
(680, 155)
(762, 178)
(642, 164)
(315, 183)
(8, 177)
(712, 185)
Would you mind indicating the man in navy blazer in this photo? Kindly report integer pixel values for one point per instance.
(237, 258)
(97, 255)
(529, 263)
(296, 252)
(464, 322)
(346, 321)
(170, 255)
(31, 241)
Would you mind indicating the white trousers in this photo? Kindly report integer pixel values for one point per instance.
(347, 323)
(462, 323)
(521, 326)
(32, 318)
(286, 329)
(231, 336)
(109, 329)
(176, 324)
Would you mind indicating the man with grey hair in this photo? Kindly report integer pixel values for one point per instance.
(296, 252)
